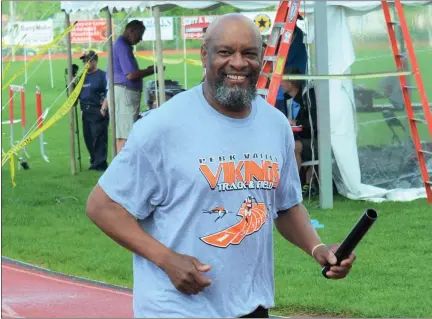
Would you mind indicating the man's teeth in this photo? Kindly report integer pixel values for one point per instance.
(236, 77)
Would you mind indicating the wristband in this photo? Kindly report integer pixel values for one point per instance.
(313, 249)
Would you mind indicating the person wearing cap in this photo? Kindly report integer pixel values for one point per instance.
(94, 112)
(128, 80)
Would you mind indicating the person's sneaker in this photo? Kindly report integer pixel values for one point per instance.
(306, 188)
(314, 190)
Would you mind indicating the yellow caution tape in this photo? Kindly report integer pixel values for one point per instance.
(345, 76)
(6, 70)
(193, 62)
(29, 46)
(57, 116)
(40, 53)
(12, 170)
(165, 60)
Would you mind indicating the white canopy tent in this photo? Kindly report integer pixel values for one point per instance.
(97, 6)
(334, 106)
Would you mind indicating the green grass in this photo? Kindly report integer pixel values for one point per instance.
(44, 223)
(387, 281)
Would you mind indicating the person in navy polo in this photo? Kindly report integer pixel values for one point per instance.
(94, 113)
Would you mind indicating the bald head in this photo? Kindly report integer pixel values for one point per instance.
(231, 22)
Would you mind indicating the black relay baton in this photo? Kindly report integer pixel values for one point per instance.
(355, 235)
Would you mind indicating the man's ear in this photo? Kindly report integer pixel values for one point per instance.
(204, 55)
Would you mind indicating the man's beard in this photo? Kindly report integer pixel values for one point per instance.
(235, 98)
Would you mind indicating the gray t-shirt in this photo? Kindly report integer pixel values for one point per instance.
(208, 186)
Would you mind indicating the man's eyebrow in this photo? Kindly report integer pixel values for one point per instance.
(224, 46)
(252, 49)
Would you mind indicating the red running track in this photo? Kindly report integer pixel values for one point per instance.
(31, 292)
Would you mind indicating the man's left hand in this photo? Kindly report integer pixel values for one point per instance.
(325, 255)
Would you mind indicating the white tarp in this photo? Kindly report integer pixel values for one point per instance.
(342, 117)
(243, 5)
(96, 6)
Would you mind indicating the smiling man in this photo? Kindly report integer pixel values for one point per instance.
(217, 149)
(230, 88)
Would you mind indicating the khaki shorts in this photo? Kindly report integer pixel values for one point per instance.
(127, 107)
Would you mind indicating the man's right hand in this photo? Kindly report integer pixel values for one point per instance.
(103, 112)
(150, 70)
(185, 273)
(142, 73)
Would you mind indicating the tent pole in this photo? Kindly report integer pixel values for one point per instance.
(184, 63)
(111, 97)
(71, 87)
(323, 106)
(13, 30)
(159, 54)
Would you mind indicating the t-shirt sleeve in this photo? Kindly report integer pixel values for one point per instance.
(288, 191)
(131, 179)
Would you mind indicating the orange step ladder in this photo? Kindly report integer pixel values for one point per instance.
(413, 121)
(276, 52)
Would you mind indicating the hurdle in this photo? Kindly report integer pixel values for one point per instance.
(12, 121)
(40, 118)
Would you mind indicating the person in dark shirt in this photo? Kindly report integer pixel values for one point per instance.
(302, 111)
(94, 112)
(297, 58)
